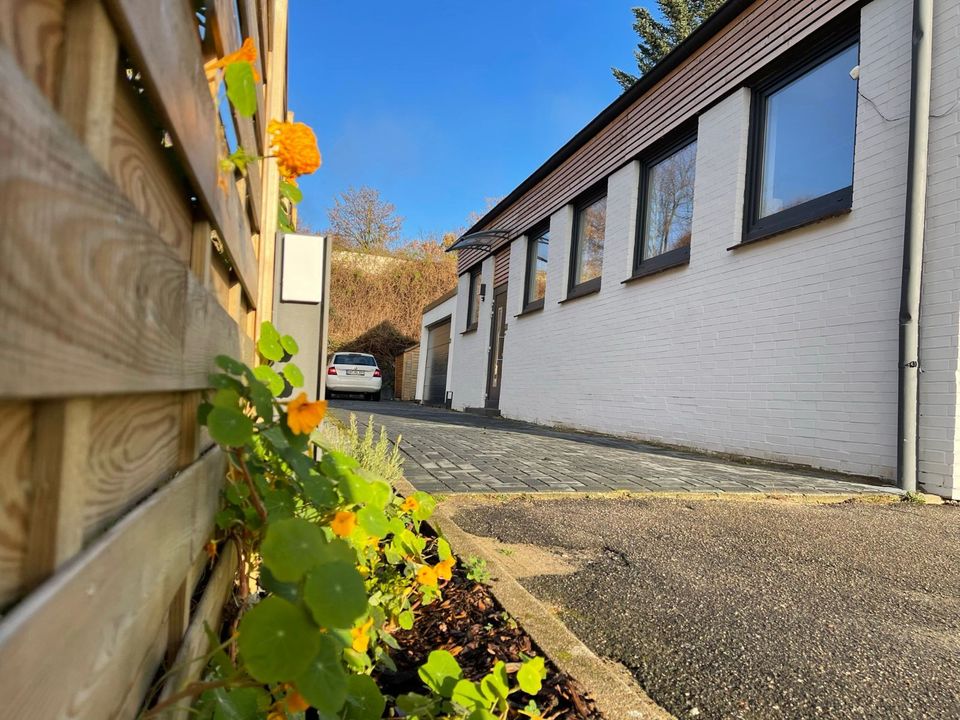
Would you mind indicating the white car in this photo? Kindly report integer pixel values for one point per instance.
(350, 372)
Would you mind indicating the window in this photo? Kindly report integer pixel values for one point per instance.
(802, 143)
(473, 300)
(353, 359)
(538, 247)
(666, 208)
(586, 257)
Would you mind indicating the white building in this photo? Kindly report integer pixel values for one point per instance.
(716, 261)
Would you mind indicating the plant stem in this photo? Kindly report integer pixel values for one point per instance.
(254, 495)
(191, 690)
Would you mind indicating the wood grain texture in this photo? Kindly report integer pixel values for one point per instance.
(16, 485)
(61, 436)
(141, 170)
(195, 645)
(89, 292)
(134, 447)
(222, 22)
(32, 31)
(765, 30)
(250, 28)
(163, 40)
(93, 624)
(89, 76)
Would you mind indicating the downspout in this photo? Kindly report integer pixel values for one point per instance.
(909, 361)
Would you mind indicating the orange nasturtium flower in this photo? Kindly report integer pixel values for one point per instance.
(297, 702)
(410, 504)
(295, 147)
(303, 416)
(246, 53)
(427, 576)
(444, 568)
(361, 637)
(343, 523)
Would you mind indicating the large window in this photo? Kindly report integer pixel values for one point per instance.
(802, 141)
(473, 300)
(538, 247)
(586, 258)
(666, 208)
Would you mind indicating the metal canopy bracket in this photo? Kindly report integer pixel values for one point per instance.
(480, 240)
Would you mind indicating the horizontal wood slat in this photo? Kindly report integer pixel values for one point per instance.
(70, 648)
(91, 299)
(755, 38)
(222, 24)
(162, 38)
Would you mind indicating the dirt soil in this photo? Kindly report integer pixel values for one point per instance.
(471, 625)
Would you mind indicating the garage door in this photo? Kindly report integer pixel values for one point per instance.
(438, 352)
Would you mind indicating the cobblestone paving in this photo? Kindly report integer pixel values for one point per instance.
(447, 451)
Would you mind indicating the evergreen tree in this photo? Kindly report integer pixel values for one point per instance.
(657, 39)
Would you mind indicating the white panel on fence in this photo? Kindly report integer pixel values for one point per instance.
(301, 279)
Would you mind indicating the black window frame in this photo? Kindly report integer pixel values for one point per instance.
(672, 258)
(533, 240)
(833, 204)
(473, 292)
(587, 287)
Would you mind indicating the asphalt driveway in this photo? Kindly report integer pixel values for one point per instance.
(452, 452)
(734, 609)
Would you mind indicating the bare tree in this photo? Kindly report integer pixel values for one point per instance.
(360, 219)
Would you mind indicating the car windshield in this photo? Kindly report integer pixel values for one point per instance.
(354, 359)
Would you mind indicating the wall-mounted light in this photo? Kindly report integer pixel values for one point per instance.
(483, 292)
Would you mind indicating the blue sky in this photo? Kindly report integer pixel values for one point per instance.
(440, 105)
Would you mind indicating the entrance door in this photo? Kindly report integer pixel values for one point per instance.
(498, 329)
(438, 352)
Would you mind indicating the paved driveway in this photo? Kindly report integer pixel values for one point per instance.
(767, 610)
(450, 452)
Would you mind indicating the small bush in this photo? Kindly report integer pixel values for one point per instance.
(372, 449)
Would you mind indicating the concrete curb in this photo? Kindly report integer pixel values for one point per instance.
(612, 688)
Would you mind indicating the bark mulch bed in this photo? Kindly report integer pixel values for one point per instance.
(472, 626)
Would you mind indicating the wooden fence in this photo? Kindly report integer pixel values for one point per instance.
(127, 263)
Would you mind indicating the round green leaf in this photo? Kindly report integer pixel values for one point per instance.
(277, 640)
(269, 377)
(234, 367)
(364, 699)
(441, 672)
(291, 547)
(324, 682)
(496, 684)
(270, 349)
(426, 505)
(241, 87)
(355, 489)
(293, 374)
(229, 426)
(268, 330)
(405, 620)
(262, 400)
(288, 591)
(335, 594)
(443, 549)
(226, 398)
(287, 342)
(320, 491)
(531, 674)
(373, 521)
(469, 696)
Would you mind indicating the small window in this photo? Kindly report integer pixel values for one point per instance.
(666, 208)
(354, 359)
(804, 125)
(473, 300)
(538, 247)
(586, 258)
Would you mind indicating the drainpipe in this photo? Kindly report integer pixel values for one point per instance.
(908, 409)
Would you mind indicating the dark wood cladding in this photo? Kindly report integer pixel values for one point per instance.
(748, 43)
(501, 267)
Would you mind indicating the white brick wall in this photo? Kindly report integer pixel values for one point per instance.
(784, 350)
(446, 309)
(940, 301)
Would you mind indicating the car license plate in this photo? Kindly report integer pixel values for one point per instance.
(354, 372)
